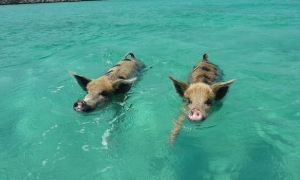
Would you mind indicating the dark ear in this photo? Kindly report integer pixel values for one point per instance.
(131, 55)
(122, 85)
(220, 89)
(81, 80)
(180, 86)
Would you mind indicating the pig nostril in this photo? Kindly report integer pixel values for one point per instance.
(78, 105)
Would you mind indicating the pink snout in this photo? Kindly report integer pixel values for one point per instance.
(79, 106)
(195, 115)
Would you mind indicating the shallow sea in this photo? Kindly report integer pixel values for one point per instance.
(255, 135)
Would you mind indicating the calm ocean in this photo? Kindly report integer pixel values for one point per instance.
(254, 136)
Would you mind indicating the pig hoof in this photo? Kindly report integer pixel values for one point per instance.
(79, 106)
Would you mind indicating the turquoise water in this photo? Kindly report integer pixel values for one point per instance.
(253, 136)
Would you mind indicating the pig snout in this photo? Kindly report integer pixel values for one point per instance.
(195, 115)
(79, 106)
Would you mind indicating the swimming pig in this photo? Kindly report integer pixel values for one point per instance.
(116, 80)
(205, 86)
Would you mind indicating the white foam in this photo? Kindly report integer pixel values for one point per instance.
(112, 121)
(104, 138)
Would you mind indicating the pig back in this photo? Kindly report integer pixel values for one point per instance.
(126, 69)
(206, 72)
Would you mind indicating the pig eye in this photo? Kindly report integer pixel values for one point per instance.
(189, 101)
(103, 93)
(208, 102)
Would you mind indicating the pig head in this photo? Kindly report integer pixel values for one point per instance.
(116, 80)
(199, 97)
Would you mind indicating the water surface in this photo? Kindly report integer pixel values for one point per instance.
(253, 136)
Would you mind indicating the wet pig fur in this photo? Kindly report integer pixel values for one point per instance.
(117, 80)
(205, 86)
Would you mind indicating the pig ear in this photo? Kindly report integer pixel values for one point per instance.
(123, 85)
(220, 89)
(81, 80)
(180, 86)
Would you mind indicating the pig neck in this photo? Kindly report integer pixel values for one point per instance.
(206, 72)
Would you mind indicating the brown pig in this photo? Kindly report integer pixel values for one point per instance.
(116, 80)
(205, 86)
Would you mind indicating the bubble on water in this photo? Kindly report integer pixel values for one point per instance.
(55, 126)
(47, 131)
(96, 120)
(121, 103)
(62, 158)
(89, 55)
(105, 169)
(108, 62)
(81, 130)
(85, 147)
(57, 89)
(44, 162)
